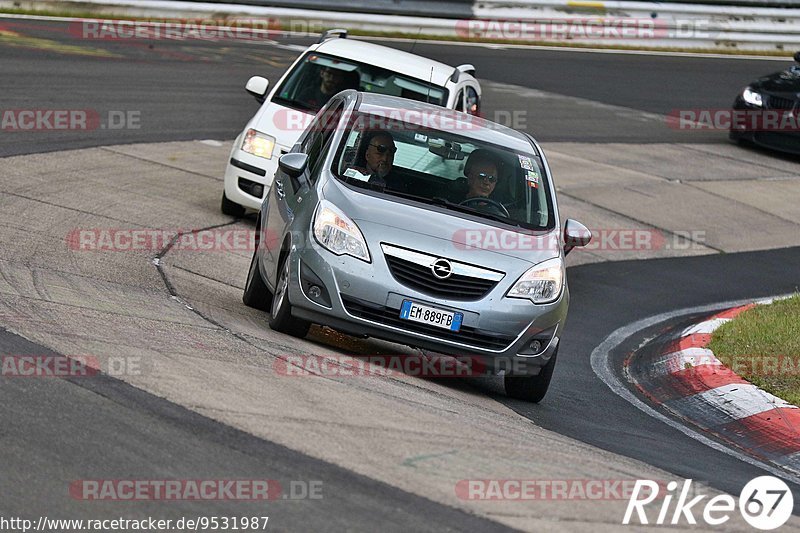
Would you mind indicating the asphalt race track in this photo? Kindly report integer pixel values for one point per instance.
(59, 430)
(193, 90)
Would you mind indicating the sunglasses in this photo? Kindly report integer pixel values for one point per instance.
(382, 148)
(485, 177)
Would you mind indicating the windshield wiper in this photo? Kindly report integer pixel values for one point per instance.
(472, 211)
(438, 200)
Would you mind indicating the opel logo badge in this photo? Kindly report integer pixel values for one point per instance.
(442, 269)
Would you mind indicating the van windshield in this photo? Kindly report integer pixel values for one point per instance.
(318, 77)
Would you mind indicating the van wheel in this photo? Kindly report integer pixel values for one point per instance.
(281, 318)
(531, 388)
(231, 209)
(256, 294)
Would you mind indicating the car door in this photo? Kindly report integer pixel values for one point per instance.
(286, 194)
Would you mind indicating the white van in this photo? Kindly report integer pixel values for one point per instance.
(326, 68)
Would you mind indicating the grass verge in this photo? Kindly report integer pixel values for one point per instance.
(763, 346)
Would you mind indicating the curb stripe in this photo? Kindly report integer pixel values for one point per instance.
(736, 311)
(696, 340)
(673, 362)
(688, 380)
(704, 378)
(706, 327)
(722, 405)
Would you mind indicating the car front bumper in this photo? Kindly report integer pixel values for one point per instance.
(248, 178)
(498, 331)
(783, 141)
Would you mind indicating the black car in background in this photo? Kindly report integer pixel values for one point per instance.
(767, 112)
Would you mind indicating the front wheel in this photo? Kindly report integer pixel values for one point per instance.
(231, 209)
(531, 388)
(281, 318)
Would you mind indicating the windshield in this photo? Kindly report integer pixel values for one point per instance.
(446, 169)
(318, 77)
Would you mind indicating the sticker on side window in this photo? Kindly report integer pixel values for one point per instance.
(356, 175)
(525, 162)
(532, 178)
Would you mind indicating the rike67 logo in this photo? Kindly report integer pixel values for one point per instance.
(765, 503)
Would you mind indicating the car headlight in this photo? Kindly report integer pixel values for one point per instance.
(541, 284)
(336, 232)
(259, 144)
(752, 97)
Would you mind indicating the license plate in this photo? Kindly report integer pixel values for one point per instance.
(433, 317)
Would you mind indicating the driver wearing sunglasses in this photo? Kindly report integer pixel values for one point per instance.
(481, 172)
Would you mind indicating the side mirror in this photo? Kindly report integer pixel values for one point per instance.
(797, 57)
(575, 235)
(293, 164)
(257, 86)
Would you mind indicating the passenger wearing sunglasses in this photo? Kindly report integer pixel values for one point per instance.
(481, 172)
(380, 154)
(377, 158)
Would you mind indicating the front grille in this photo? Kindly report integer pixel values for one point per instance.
(777, 102)
(391, 317)
(421, 278)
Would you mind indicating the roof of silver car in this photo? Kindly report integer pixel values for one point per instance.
(437, 117)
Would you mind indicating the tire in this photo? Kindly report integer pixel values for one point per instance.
(231, 209)
(531, 388)
(256, 293)
(281, 318)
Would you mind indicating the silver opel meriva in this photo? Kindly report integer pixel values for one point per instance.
(408, 222)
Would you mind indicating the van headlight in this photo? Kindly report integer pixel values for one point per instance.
(541, 284)
(337, 233)
(259, 144)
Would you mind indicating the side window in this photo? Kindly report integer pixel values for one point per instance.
(473, 101)
(460, 101)
(321, 131)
